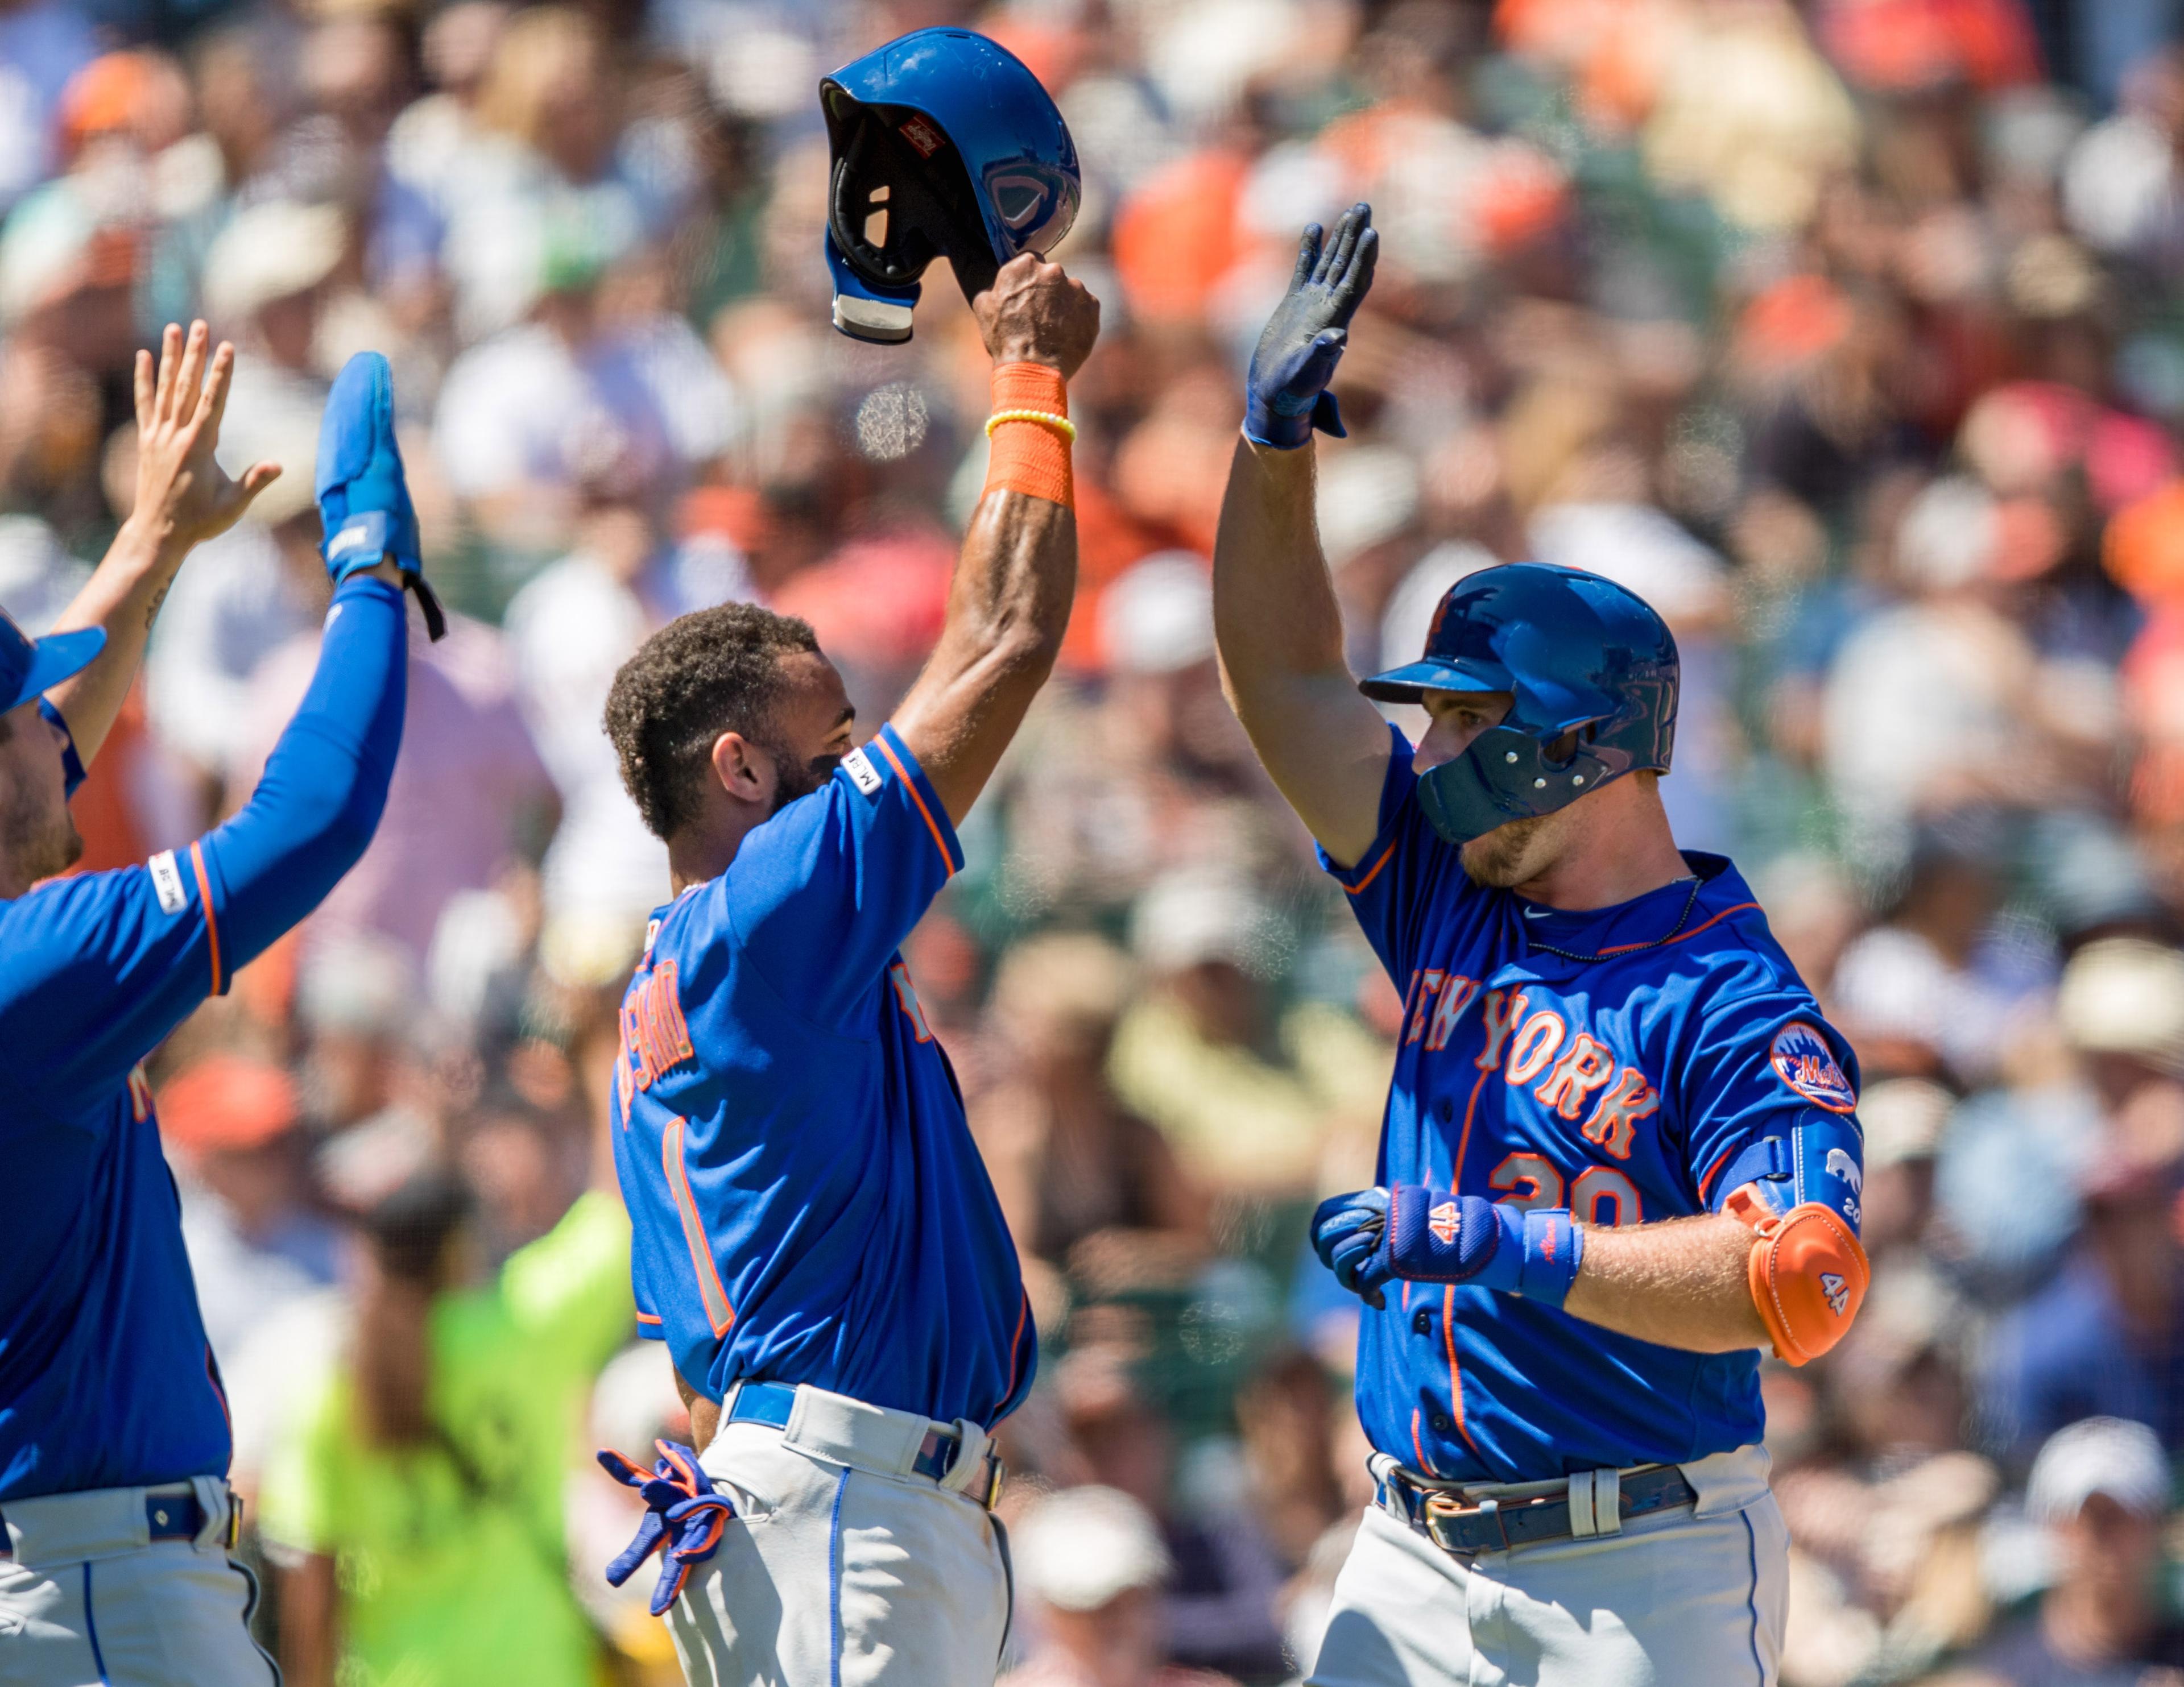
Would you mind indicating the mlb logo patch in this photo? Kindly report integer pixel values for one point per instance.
(167, 883)
(1441, 1221)
(922, 135)
(1802, 1059)
(862, 774)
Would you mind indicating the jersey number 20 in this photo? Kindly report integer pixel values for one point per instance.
(1529, 1182)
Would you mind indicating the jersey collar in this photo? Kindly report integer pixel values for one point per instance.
(1638, 924)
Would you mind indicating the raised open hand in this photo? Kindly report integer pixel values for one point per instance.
(183, 497)
(1286, 396)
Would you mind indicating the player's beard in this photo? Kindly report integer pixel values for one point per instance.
(38, 840)
(798, 778)
(1514, 853)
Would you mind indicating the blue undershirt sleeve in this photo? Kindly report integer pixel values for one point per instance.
(325, 786)
(100, 967)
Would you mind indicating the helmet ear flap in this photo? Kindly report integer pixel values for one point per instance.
(924, 201)
(868, 182)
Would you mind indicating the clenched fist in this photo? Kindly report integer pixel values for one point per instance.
(1035, 314)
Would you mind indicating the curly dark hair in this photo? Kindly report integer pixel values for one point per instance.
(711, 671)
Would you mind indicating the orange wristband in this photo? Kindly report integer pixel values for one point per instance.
(1029, 456)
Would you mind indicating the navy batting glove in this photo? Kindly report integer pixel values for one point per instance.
(1433, 1236)
(363, 496)
(684, 1519)
(1286, 396)
(1347, 1234)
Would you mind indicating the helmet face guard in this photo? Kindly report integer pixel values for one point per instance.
(1592, 672)
(946, 146)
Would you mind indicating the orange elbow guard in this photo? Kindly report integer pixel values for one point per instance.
(1808, 1275)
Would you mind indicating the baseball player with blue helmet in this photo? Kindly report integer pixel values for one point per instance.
(115, 1516)
(814, 1239)
(1620, 1155)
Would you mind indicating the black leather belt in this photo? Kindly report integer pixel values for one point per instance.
(1466, 1528)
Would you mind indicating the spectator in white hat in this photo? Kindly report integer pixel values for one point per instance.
(266, 281)
(1090, 1562)
(1163, 686)
(2100, 1487)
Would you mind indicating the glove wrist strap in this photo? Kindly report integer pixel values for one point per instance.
(1553, 1249)
(1265, 425)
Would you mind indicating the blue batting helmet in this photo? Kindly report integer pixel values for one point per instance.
(1593, 672)
(952, 144)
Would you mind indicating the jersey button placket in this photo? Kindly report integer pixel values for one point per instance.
(1442, 1422)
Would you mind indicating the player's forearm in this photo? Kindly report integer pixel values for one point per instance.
(1008, 608)
(1008, 604)
(123, 598)
(1279, 629)
(1274, 612)
(1683, 1282)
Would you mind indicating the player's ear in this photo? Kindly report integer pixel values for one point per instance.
(745, 772)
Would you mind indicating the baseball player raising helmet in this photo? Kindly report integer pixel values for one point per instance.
(816, 1239)
(1619, 1155)
(115, 1515)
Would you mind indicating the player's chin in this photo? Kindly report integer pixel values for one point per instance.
(1506, 856)
(60, 848)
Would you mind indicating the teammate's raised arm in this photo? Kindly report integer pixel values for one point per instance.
(115, 1442)
(1274, 611)
(108, 964)
(1008, 604)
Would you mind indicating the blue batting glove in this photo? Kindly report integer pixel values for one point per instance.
(1286, 396)
(1347, 1234)
(1433, 1236)
(684, 1519)
(364, 500)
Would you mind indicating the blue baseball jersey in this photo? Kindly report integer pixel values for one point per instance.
(806, 1200)
(1616, 1062)
(106, 1378)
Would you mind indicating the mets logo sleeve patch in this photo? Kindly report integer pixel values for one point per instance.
(1802, 1059)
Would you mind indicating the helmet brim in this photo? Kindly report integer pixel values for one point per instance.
(1411, 682)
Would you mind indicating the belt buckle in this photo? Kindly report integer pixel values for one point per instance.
(234, 1518)
(997, 1477)
(1442, 1509)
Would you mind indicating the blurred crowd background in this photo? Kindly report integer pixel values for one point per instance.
(1846, 332)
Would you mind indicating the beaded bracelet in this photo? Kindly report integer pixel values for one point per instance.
(1033, 459)
(1060, 424)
